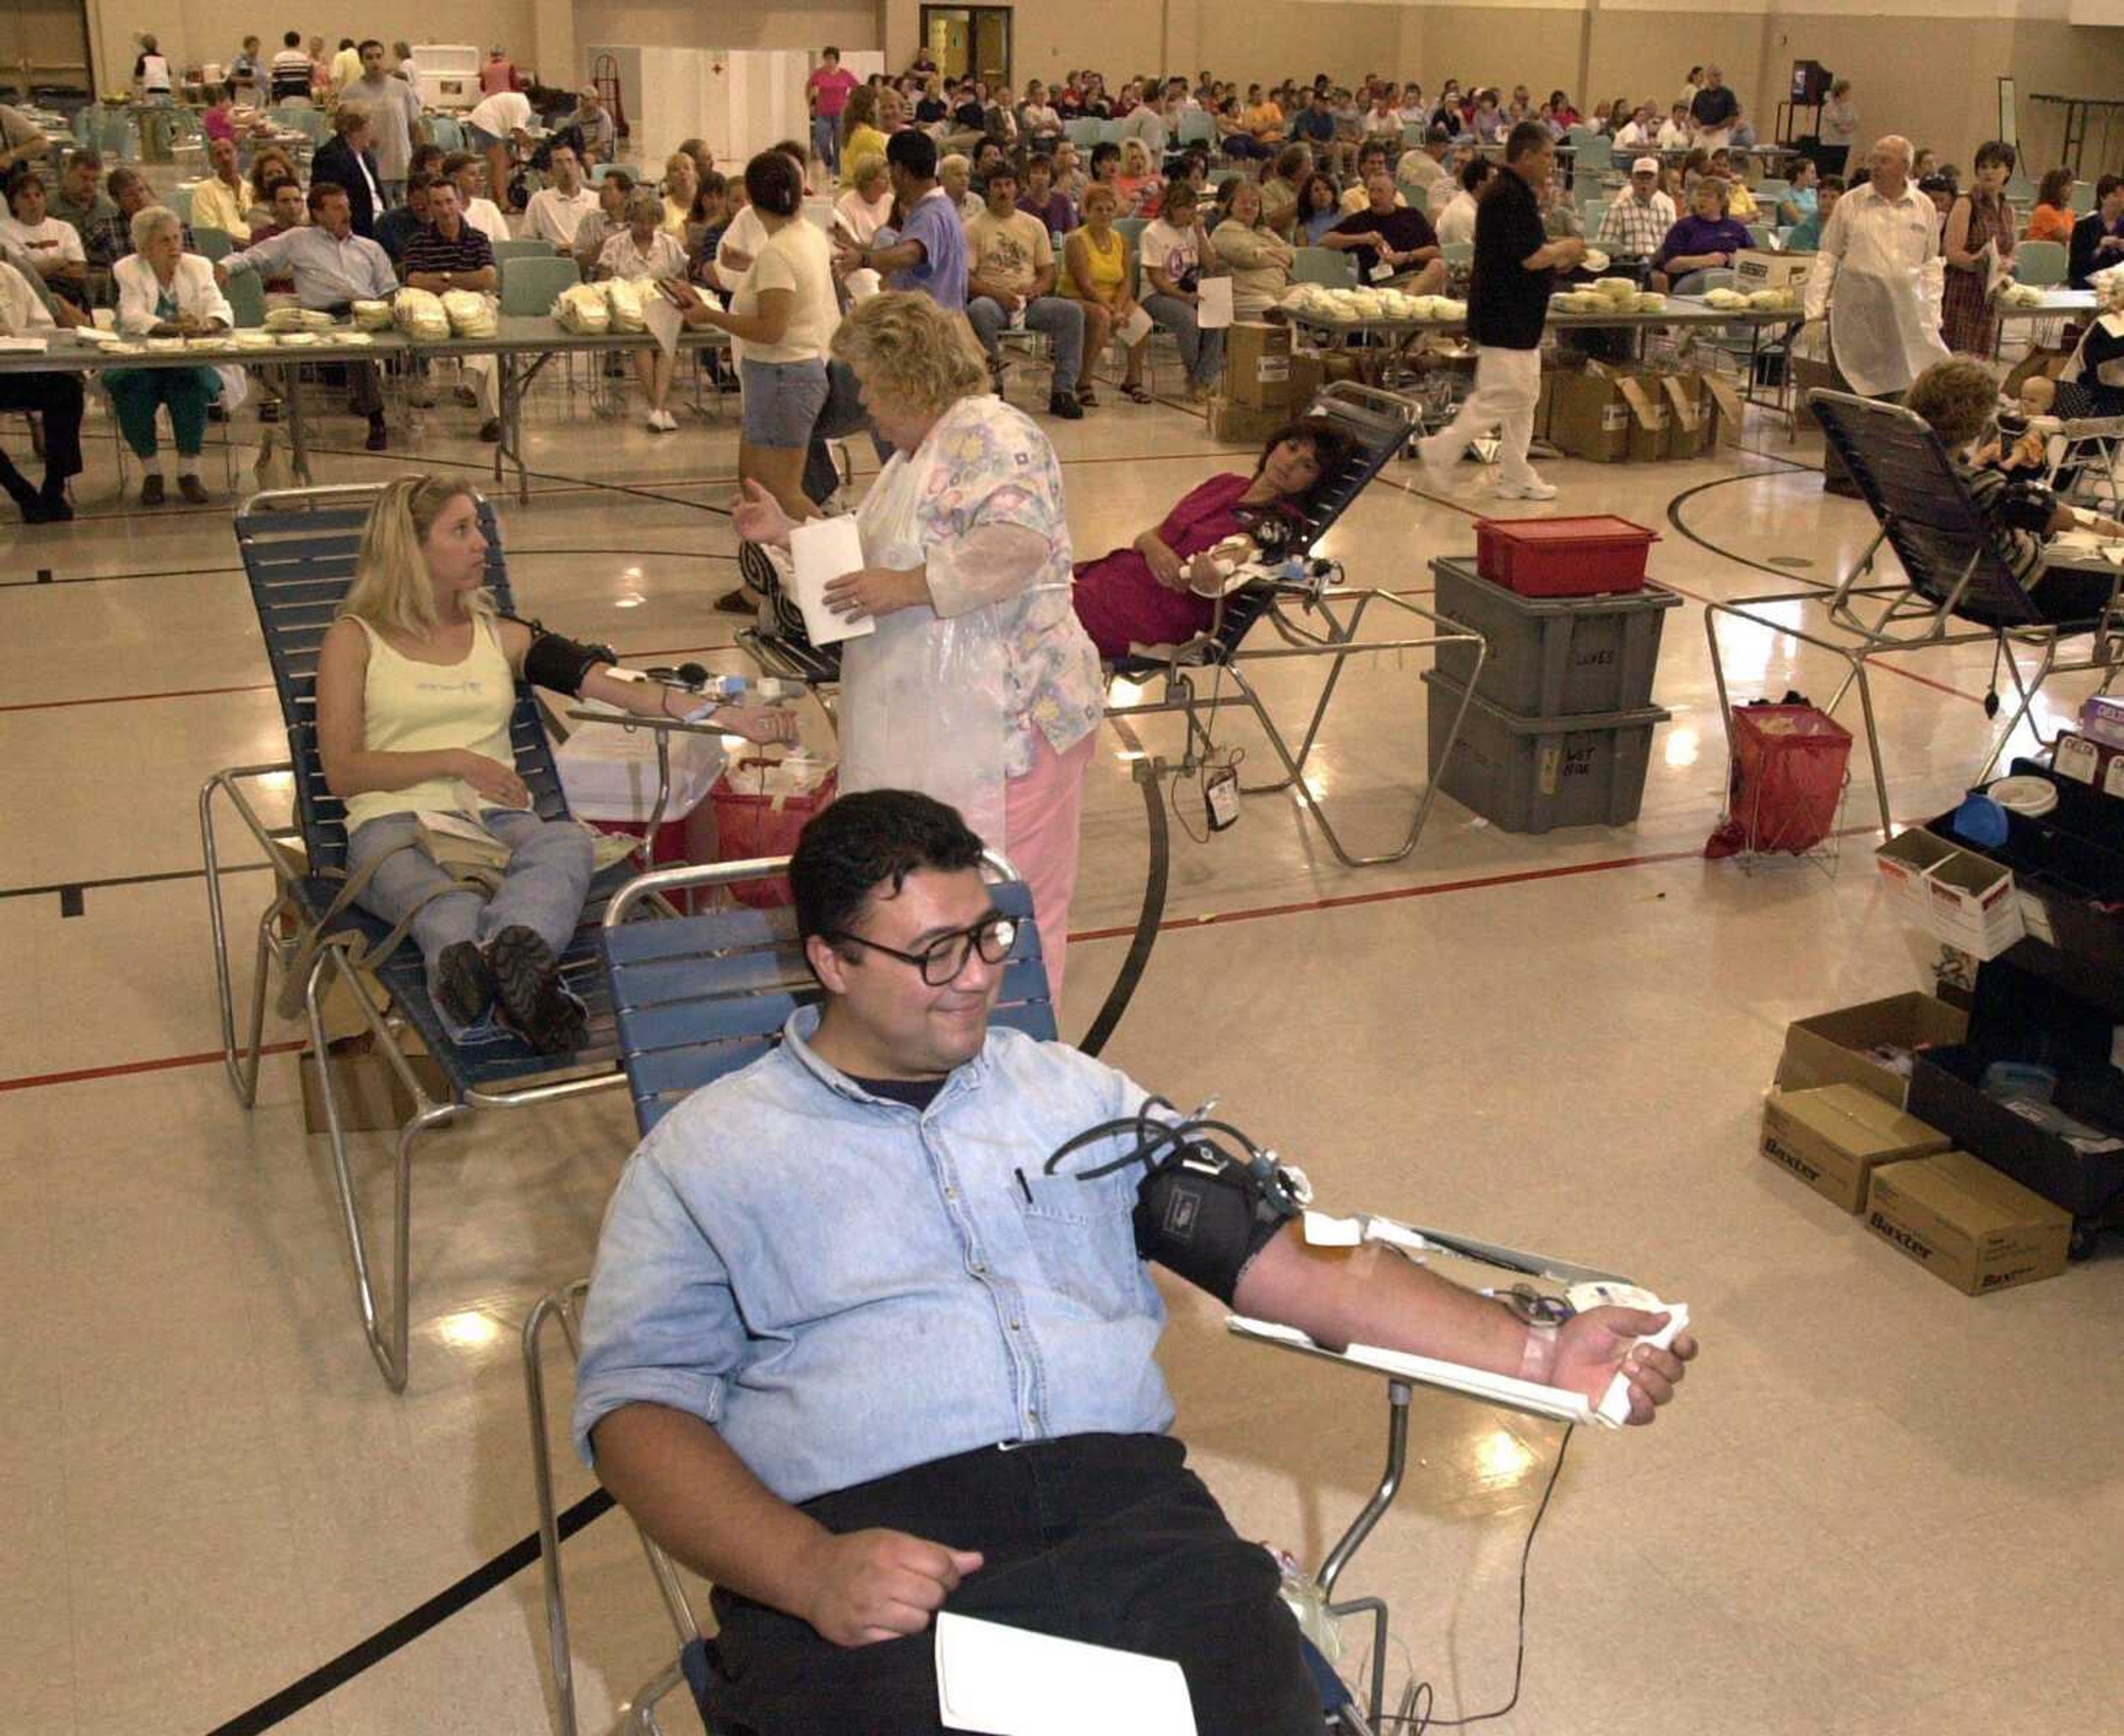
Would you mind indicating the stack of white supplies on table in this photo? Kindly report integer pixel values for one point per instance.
(420, 316)
(470, 314)
(582, 308)
(625, 300)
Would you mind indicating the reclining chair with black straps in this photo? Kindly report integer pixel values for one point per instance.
(1955, 589)
(1312, 613)
(696, 998)
(300, 548)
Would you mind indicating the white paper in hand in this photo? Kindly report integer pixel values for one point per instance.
(1213, 306)
(1382, 272)
(1135, 328)
(663, 321)
(822, 551)
(1005, 1682)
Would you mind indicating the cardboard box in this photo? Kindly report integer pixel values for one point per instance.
(1810, 375)
(372, 1099)
(1968, 1224)
(1308, 373)
(1544, 404)
(1972, 904)
(1833, 1136)
(1257, 365)
(1963, 898)
(1242, 425)
(1832, 1048)
(1647, 403)
(1754, 269)
(1588, 417)
(1904, 861)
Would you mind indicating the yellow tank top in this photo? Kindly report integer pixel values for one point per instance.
(410, 707)
(1103, 266)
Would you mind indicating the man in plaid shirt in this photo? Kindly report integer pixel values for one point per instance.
(1638, 222)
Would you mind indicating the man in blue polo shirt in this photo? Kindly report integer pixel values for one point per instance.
(927, 252)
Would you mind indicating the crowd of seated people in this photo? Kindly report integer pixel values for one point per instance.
(1185, 179)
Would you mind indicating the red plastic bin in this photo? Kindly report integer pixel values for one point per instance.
(749, 824)
(1562, 557)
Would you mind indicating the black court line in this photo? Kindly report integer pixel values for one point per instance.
(70, 892)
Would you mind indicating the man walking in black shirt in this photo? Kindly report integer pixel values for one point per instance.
(1516, 264)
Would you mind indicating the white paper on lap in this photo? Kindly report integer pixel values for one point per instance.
(1213, 308)
(1006, 1681)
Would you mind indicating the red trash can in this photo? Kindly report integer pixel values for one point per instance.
(753, 818)
(1789, 766)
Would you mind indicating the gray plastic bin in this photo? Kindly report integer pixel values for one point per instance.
(1553, 656)
(1532, 774)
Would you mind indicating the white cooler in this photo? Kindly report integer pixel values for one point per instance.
(609, 775)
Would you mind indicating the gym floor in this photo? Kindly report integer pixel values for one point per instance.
(1879, 1507)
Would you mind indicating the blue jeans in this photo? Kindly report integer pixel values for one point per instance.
(549, 875)
(1057, 319)
(1201, 352)
(826, 141)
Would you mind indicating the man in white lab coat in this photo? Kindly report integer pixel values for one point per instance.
(1879, 276)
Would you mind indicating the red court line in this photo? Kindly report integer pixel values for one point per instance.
(161, 1064)
(1253, 914)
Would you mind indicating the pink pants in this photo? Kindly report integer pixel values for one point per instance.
(1040, 813)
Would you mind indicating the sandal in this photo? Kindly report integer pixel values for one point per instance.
(1135, 393)
(1088, 397)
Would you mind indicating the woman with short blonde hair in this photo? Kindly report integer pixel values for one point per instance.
(977, 686)
(645, 252)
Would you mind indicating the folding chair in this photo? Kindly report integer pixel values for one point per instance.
(522, 249)
(696, 998)
(298, 549)
(1953, 572)
(2088, 449)
(1329, 265)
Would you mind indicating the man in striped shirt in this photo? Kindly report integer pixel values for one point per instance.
(450, 254)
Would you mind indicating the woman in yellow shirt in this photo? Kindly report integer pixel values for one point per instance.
(1098, 271)
(860, 136)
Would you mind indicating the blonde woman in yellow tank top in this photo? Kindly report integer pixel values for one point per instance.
(1099, 269)
(416, 681)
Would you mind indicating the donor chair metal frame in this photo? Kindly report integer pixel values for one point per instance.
(299, 547)
(1956, 588)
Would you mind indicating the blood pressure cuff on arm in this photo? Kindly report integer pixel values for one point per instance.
(560, 664)
(1205, 1228)
(2026, 506)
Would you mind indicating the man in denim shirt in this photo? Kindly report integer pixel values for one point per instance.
(854, 1355)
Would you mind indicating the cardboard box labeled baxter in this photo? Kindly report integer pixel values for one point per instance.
(1833, 1136)
(1966, 1224)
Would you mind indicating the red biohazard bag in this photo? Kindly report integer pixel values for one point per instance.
(1789, 766)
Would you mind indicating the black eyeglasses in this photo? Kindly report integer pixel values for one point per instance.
(942, 960)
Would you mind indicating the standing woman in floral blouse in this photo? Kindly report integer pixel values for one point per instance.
(977, 687)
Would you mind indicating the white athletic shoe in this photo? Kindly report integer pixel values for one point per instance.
(662, 421)
(1532, 490)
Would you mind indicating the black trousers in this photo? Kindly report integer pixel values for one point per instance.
(1106, 1538)
(56, 397)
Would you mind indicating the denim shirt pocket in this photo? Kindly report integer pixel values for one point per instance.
(1082, 1235)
